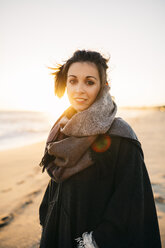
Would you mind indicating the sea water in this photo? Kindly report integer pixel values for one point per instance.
(19, 128)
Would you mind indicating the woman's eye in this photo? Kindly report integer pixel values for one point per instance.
(72, 81)
(90, 82)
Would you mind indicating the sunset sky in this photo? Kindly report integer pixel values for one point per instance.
(36, 34)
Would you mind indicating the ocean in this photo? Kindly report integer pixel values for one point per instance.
(19, 128)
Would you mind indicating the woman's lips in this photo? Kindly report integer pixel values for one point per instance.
(80, 100)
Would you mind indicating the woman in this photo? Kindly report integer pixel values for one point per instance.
(99, 194)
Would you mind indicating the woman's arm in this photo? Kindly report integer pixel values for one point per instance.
(130, 219)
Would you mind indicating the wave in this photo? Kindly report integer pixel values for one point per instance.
(18, 128)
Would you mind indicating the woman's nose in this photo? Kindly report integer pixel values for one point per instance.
(79, 87)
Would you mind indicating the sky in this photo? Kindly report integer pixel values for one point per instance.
(36, 34)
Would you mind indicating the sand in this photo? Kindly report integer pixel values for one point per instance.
(21, 189)
(22, 184)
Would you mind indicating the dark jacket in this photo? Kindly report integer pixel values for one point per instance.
(113, 198)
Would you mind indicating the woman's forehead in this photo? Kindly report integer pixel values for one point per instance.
(83, 68)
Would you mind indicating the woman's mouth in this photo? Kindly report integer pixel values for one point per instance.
(80, 100)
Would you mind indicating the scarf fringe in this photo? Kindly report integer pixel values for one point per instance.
(86, 241)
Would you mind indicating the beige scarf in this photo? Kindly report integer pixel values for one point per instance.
(67, 149)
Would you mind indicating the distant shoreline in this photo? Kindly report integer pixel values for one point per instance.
(161, 107)
(147, 107)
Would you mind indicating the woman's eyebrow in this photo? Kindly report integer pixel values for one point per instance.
(71, 76)
(91, 77)
(86, 76)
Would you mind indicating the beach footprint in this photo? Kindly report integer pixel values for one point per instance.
(6, 219)
(20, 182)
(6, 190)
(159, 199)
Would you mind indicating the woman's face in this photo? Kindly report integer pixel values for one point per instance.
(83, 84)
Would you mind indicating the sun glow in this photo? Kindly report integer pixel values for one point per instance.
(58, 106)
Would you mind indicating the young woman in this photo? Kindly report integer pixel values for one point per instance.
(100, 194)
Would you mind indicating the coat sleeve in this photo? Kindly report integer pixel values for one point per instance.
(47, 198)
(44, 207)
(130, 219)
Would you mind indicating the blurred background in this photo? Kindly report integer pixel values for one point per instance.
(38, 34)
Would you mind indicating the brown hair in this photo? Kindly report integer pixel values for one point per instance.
(60, 72)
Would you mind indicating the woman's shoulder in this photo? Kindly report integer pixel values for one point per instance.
(121, 128)
(120, 134)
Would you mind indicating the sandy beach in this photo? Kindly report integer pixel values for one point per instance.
(22, 184)
(22, 187)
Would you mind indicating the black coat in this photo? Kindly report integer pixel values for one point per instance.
(113, 198)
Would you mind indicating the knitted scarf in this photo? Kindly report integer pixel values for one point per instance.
(67, 146)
